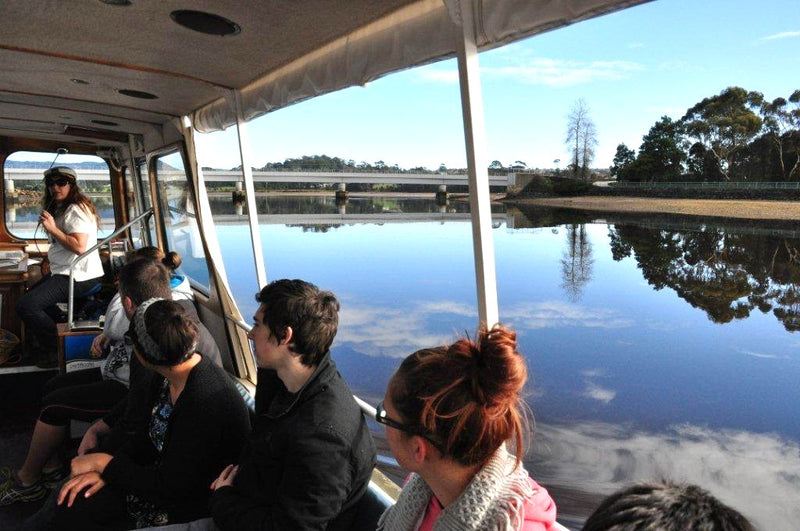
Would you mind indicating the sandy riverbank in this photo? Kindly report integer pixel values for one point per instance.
(781, 210)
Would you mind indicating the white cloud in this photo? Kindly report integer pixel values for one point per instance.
(756, 473)
(438, 76)
(545, 71)
(635, 45)
(390, 331)
(595, 392)
(558, 314)
(760, 355)
(782, 35)
(562, 73)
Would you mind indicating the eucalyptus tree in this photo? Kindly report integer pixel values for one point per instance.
(725, 124)
(782, 125)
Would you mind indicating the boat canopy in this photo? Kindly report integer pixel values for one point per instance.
(98, 71)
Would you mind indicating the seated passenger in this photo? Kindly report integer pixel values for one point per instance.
(449, 412)
(131, 414)
(309, 458)
(198, 424)
(85, 394)
(667, 507)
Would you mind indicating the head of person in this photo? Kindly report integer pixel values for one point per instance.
(61, 190)
(141, 280)
(162, 334)
(296, 314)
(463, 400)
(170, 260)
(665, 506)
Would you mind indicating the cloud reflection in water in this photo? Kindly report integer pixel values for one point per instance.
(758, 474)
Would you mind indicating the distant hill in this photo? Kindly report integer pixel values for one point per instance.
(43, 165)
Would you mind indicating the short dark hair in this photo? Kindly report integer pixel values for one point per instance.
(312, 314)
(144, 279)
(665, 506)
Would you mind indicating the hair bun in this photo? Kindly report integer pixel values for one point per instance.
(498, 370)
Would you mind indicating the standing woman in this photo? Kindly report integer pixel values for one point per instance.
(71, 222)
(449, 414)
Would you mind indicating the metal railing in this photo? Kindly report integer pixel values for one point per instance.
(70, 301)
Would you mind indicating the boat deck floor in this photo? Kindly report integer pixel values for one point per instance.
(19, 407)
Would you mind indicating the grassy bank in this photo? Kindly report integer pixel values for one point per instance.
(726, 208)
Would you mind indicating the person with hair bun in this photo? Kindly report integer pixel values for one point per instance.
(198, 424)
(450, 413)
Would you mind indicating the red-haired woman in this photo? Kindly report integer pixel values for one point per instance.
(71, 222)
(449, 414)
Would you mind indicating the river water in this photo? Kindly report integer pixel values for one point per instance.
(658, 347)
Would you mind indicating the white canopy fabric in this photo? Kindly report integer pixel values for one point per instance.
(421, 32)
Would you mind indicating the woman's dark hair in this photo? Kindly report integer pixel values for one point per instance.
(170, 260)
(665, 506)
(465, 396)
(75, 197)
(171, 337)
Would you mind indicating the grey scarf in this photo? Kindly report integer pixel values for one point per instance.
(493, 500)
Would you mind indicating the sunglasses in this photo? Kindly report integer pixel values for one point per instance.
(381, 417)
(63, 181)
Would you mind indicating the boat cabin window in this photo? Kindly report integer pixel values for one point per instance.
(177, 205)
(24, 189)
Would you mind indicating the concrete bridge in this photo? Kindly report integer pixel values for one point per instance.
(331, 177)
(22, 228)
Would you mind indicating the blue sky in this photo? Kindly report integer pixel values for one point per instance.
(631, 67)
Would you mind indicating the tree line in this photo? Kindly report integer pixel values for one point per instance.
(736, 135)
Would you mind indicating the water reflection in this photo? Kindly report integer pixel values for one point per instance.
(758, 473)
(576, 265)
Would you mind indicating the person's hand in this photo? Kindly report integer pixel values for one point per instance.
(100, 345)
(74, 486)
(47, 221)
(226, 477)
(84, 464)
(92, 436)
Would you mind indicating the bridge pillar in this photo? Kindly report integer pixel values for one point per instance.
(12, 214)
(10, 191)
(238, 206)
(342, 193)
(441, 195)
(239, 194)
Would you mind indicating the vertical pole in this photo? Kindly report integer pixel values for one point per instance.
(475, 139)
(250, 194)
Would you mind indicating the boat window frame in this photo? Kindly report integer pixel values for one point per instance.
(160, 228)
(9, 236)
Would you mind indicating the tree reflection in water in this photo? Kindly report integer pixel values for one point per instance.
(577, 261)
(727, 274)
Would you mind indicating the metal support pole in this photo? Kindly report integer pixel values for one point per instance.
(250, 194)
(475, 138)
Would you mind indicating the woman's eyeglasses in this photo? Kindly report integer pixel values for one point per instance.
(63, 181)
(381, 417)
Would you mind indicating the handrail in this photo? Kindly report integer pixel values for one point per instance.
(70, 301)
(367, 409)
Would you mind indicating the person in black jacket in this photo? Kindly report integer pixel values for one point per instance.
(198, 423)
(309, 457)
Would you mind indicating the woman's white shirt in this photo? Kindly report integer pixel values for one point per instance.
(76, 220)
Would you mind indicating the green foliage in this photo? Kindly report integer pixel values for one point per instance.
(725, 124)
(570, 186)
(623, 158)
